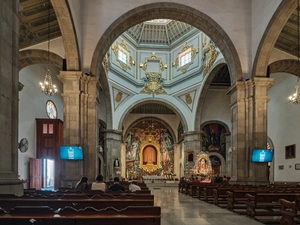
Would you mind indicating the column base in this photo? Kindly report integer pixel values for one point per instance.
(11, 186)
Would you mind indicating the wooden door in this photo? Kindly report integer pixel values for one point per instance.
(35, 173)
(216, 169)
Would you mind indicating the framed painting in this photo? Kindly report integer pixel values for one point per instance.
(290, 151)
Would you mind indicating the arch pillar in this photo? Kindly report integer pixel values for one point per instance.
(192, 142)
(113, 143)
(249, 129)
(80, 124)
(9, 99)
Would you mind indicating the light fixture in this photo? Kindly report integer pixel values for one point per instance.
(47, 86)
(295, 98)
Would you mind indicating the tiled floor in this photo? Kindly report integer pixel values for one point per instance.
(179, 209)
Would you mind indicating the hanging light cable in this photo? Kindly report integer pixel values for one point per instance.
(295, 98)
(47, 86)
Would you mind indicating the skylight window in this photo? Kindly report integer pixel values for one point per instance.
(123, 55)
(158, 21)
(185, 57)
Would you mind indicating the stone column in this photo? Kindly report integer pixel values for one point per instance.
(80, 124)
(91, 127)
(192, 144)
(249, 129)
(9, 98)
(193, 141)
(113, 143)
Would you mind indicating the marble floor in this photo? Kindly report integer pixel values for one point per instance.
(179, 209)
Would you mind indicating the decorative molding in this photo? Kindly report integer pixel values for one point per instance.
(116, 48)
(184, 68)
(119, 97)
(21, 86)
(153, 83)
(210, 57)
(106, 63)
(188, 99)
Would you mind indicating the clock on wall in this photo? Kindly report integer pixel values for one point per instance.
(51, 109)
(23, 145)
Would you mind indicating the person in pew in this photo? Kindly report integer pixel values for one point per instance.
(196, 180)
(99, 184)
(82, 185)
(116, 186)
(133, 187)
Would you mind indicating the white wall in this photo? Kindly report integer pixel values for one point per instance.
(234, 17)
(262, 12)
(216, 107)
(284, 126)
(32, 105)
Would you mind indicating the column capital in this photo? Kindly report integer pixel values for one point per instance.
(260, 81)
(64, 76)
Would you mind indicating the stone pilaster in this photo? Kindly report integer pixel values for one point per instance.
(9, 98)
(249, 129)
(113, 143)
(192, 141)
(80, 124)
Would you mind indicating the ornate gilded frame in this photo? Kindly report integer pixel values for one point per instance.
(150, 140)
(184, 68)
(123, 46)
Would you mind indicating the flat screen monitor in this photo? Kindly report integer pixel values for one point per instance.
(262, 155)
(71, 152)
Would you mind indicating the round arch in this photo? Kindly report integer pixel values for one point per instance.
(217, 66)
(216, 121)
(66, 25)
(34, 56)
(154, 119)
(285, 66)
(277, 22)
(166, 10)
(223, 163)
(150, 100)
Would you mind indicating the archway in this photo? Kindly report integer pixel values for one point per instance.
(270, 36)
(169, 11)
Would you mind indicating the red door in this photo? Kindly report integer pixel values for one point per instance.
(35, 173)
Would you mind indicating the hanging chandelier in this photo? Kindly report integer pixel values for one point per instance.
(295, 98)
(47, 87)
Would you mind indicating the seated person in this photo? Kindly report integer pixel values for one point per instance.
(99, 184)
(196, 180)
(116, 186)
(182, 180)
(133, 187)
(82, 185)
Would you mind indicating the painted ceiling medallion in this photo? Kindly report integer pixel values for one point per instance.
(153, 75)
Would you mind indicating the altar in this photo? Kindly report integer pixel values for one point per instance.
(153, 177)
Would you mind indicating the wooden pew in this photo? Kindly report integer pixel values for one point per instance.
(290, 211)
(236, 199)
(23, 215)
(220, 195)
(208, 193)
(78, 201)
(266, 204)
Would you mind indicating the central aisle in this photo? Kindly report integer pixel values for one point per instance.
(179, 209)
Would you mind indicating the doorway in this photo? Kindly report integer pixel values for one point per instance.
(48, 174)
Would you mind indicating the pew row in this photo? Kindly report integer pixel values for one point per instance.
(290, 211)
(28, 215)
(77, 201)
